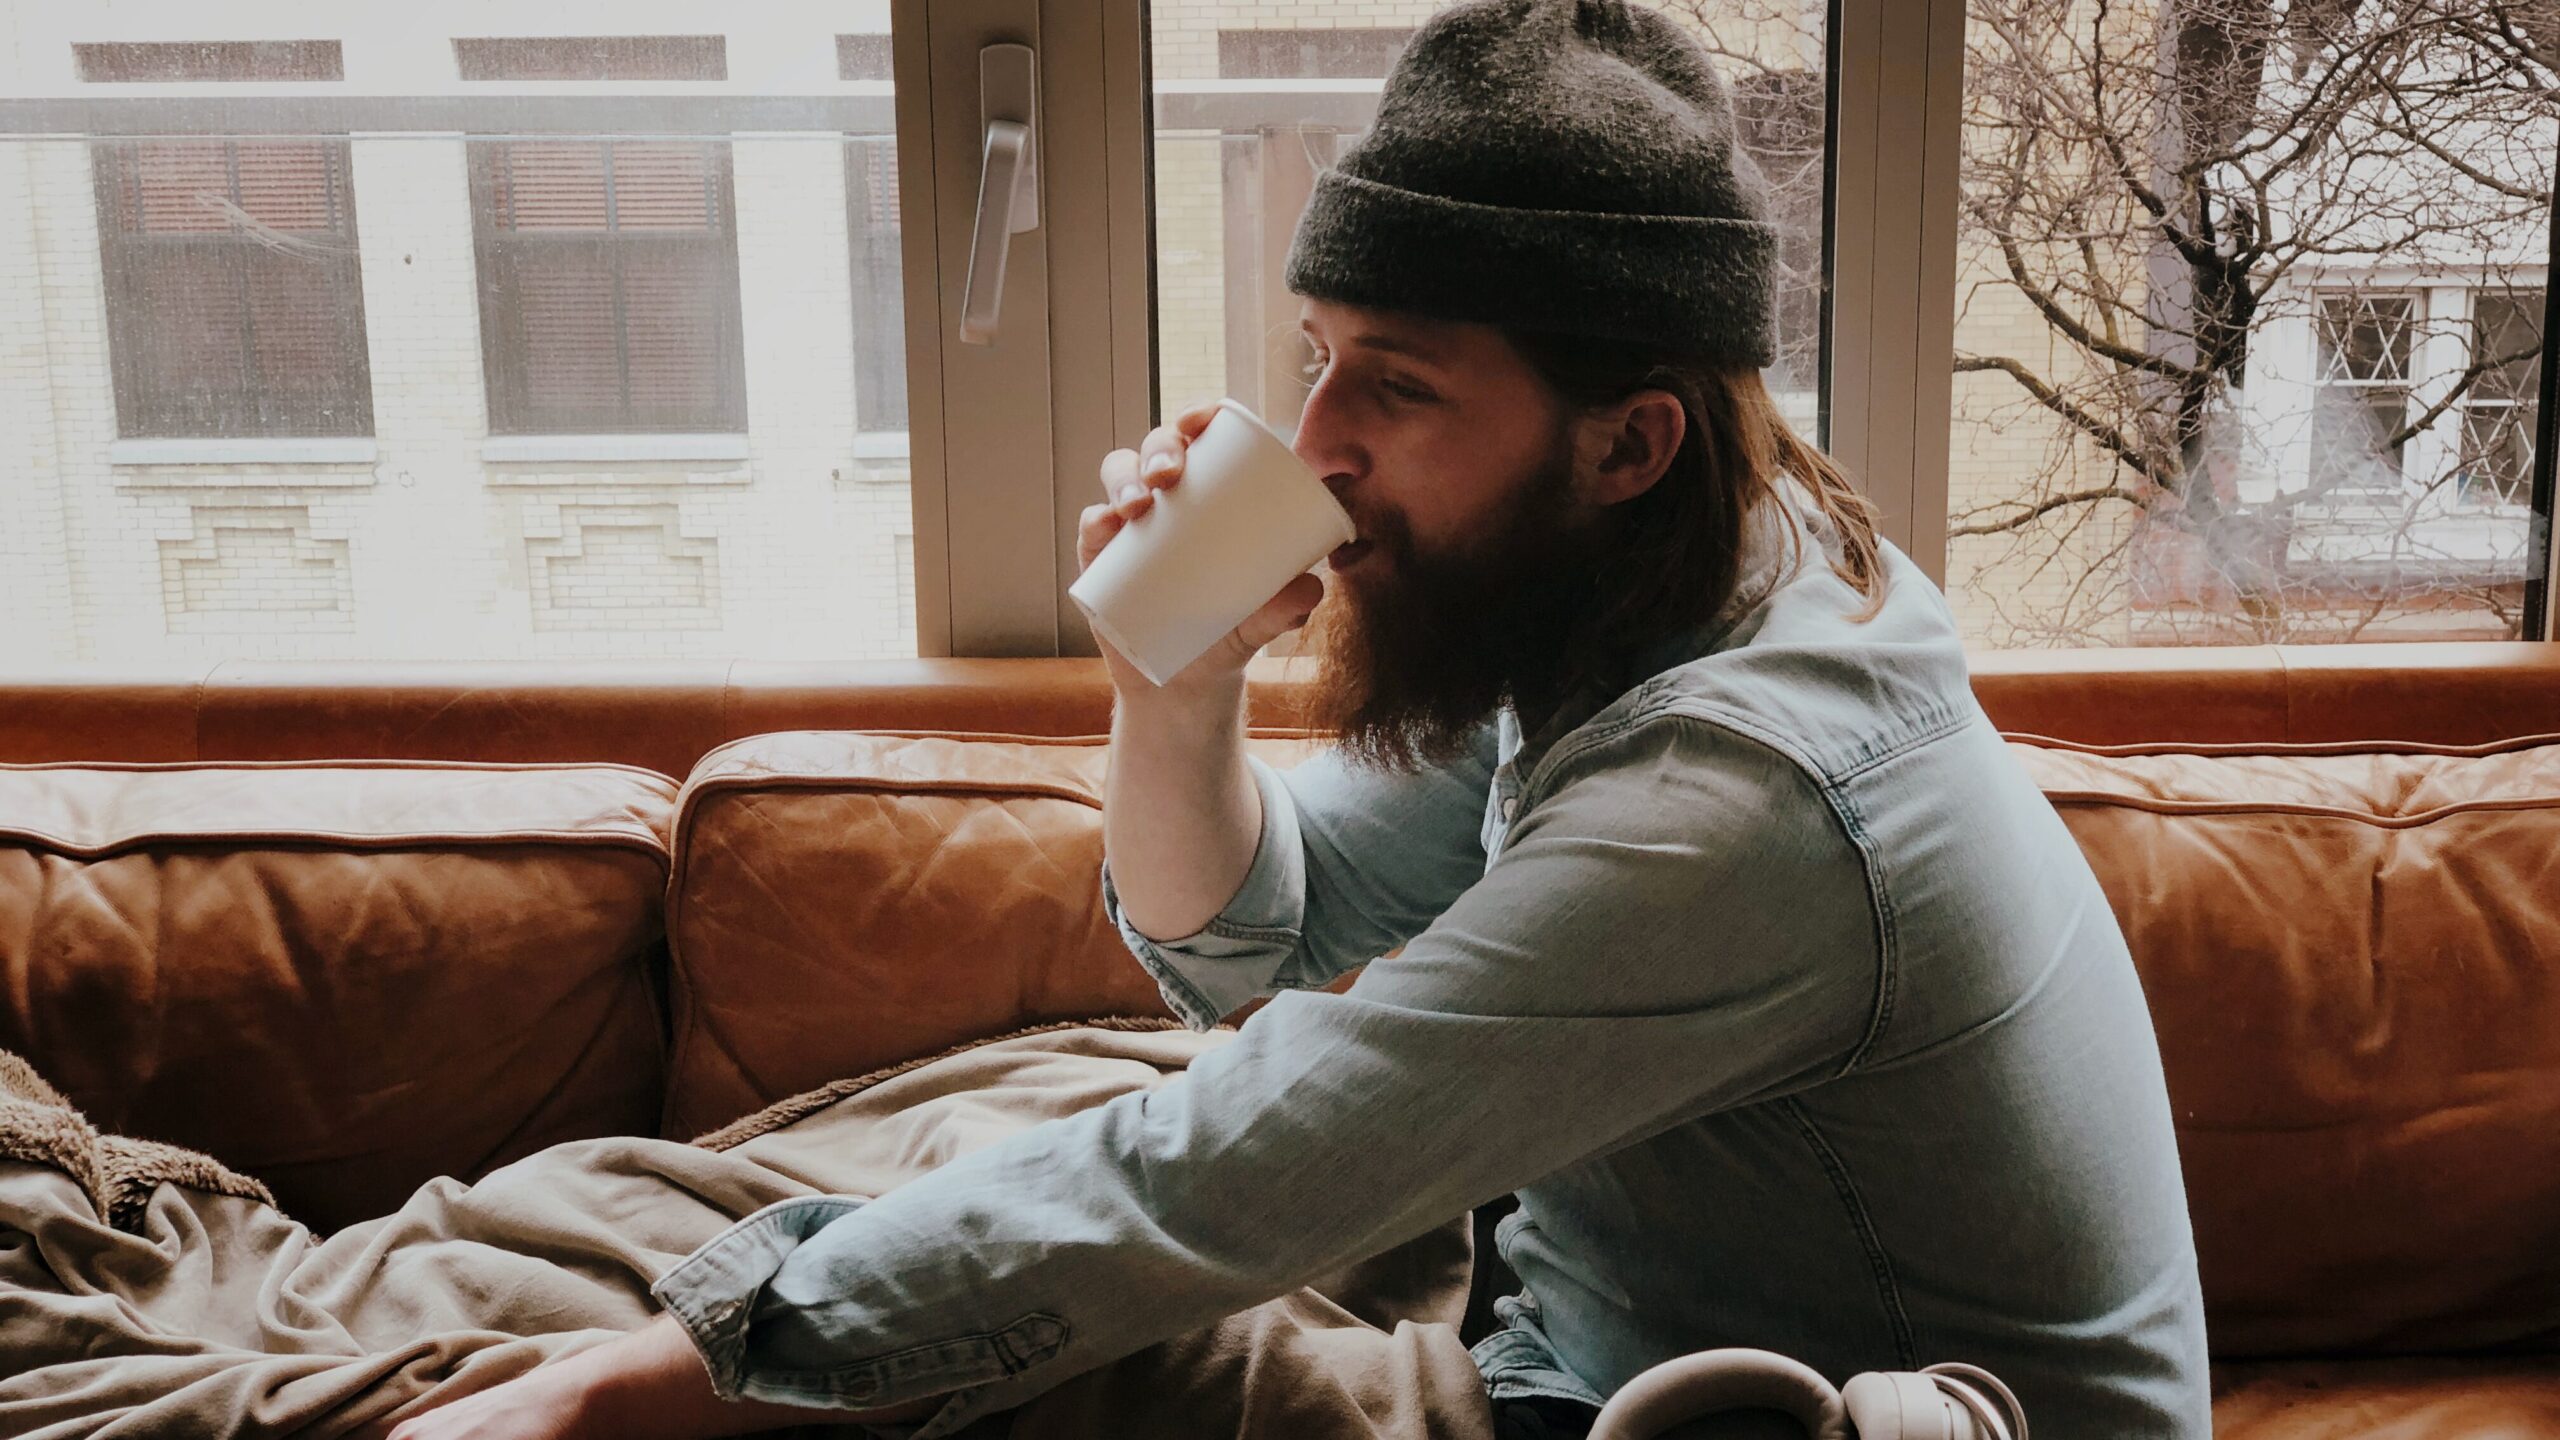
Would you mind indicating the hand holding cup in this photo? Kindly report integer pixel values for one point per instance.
(1191, 562)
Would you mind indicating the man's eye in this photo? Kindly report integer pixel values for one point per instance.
(1403, 391)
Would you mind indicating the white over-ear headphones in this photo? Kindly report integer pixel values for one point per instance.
(1940, 1402)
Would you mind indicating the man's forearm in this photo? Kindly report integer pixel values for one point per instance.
(1181, 816)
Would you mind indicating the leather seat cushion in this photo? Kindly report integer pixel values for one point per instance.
(343, 978)
(2348, 953)
(844, 901)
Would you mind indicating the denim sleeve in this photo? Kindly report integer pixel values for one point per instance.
(1685, 927)
(1351, 864)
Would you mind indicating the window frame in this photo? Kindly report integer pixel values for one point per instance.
(1896, 133)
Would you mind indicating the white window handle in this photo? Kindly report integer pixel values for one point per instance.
(1008, 183)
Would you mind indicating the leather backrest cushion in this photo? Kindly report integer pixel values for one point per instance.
(844, 901)
(345, 978)
(2352, 956)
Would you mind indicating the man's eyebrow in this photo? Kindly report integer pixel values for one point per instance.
(1413, 349)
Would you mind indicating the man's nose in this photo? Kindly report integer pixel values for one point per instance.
(1322, 442)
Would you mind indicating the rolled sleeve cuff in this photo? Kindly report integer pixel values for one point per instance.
(1245, 951)
(714, 1293)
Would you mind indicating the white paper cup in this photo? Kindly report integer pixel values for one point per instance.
(1245, 518)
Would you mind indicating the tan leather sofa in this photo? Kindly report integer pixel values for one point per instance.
(349, 930)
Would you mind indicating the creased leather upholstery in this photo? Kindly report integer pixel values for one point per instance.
(2349, 948)
(846, 901)
(2497, 1399)
(2349, 954)
(342, 978)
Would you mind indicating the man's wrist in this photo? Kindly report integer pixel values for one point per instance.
(652, 1371)
(1210, 708)
(653, 1384)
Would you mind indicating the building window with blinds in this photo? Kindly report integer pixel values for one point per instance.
(235, 300)
(608, 286)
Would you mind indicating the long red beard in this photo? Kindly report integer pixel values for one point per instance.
(1420, 650)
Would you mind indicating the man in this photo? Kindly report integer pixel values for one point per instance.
(1726, 933)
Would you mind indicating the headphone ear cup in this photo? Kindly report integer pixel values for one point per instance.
(1712, 1381)
(1944, 1402)
(1900, 1406)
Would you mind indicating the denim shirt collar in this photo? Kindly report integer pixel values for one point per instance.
(1779, 540)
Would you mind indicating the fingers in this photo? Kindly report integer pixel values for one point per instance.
(1280, 614)
(1192, 421)
(1130, 478)
(1095, 526)
(1124, 497)
(1161, 454)
(1119, 472)
(1127, 475)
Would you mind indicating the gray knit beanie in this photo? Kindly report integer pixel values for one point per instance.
(1560, 165)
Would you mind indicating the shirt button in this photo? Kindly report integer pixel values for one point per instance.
(1510, 808)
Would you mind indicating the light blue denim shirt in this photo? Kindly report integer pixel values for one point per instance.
(1775, 990)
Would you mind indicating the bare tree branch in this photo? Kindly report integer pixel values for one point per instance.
(2461, 386)
(2029, 514)
(2106, 435)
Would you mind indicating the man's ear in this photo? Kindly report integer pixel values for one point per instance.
(1620, 450)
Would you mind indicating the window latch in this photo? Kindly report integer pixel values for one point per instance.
(1008, 182)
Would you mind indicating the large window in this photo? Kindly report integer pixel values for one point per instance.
(608, 286)
(2215, 322)
(2242, 336)
(234, 296)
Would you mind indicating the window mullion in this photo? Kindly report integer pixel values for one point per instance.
(1102, 327)
(1899, 68)
(981, 424)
